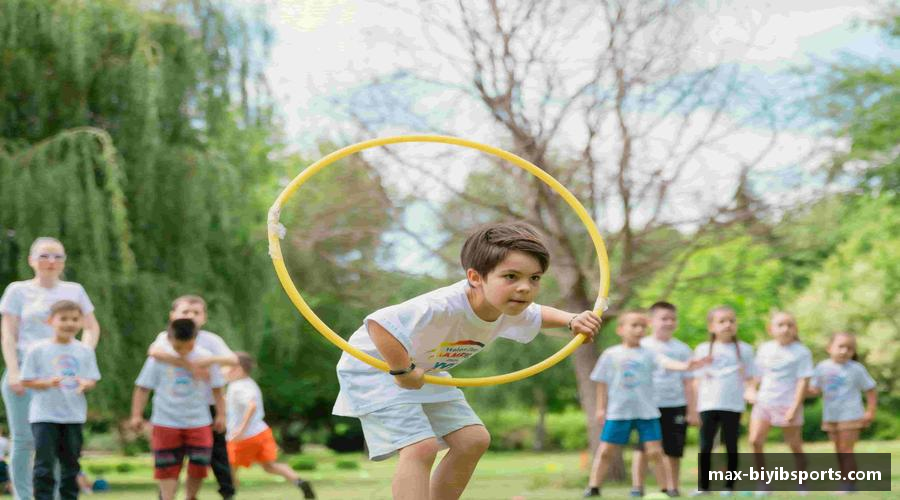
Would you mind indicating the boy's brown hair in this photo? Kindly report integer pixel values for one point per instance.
(246, 361)
(182, 329)
(490, 244)
(629, 312)
(64, 306)
(663, 306)
(190, 299)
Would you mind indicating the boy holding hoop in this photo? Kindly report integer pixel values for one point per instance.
(433, 333)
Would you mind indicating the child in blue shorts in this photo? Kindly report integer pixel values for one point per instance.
(624, 376)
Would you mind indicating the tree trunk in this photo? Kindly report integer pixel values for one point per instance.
(540, 430)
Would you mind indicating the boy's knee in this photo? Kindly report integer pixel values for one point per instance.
(606, 451)
(479, 440)
(422, 451)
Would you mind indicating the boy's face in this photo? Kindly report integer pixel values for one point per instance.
(632, 327)
(232, 373)
(182, 347)
(783, 328)
(189, 310)
(723, 325)
(663, 322)
(511, 286)
(66, 324)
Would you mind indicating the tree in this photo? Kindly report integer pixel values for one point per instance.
(606, 98)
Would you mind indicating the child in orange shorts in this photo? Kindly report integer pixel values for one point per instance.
(249, 438)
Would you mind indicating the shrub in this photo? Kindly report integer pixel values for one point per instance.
(303, 462)
(346, 464)
(124, 467)
(99, 469)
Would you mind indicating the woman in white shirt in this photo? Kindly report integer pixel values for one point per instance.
(25, 307)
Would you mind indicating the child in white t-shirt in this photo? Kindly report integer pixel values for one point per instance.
(250, 439)
(625, 397)
(60, 370)
(720, 388)
(841, 379)
(783, 368)
(181, 418)
(433, 333)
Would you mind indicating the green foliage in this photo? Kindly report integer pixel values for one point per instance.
(857, 289)
(346, 464)
(862, 99)
(303, 462)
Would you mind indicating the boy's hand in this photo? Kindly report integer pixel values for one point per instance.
(587, 323)
(53, 382)
(14, 381)
(695, 363)
(693, 418)
(199, 372)
(868, 417)
(219, 423)
(136, 423)
(601, 415)
(412, 380)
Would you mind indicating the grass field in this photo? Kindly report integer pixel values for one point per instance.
(518, 475)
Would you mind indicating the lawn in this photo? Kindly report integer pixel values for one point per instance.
(518, 475)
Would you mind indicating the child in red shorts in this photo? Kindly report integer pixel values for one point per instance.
(249, 438)
(181, 418)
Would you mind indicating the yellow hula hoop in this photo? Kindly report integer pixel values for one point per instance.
(277, 231)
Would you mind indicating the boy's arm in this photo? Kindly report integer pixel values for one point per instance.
(691, 398)
(681, 366)
(219, 422)
(85, 384)
(245, 421)
(160, 354)
(138, 403)
(871, 404)
(42, 383)
(396, 356)
(223, 360)
(601, 401)
(585, 322)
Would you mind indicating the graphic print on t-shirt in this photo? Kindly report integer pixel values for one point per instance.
(182, 381)
(631, 370)
(66, 366)
(449, 354)
(832, 383)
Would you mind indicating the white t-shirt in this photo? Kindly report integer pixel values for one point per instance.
(721, 384)
(237, 398)
(779, 368)
(668, 385)
(205, 340)
(179, 400)
(628, 375)
(47, 359)
(440, 330)
(31, 303)
(841, 386)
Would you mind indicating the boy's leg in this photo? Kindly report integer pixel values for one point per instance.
(467, 445)
(650, 436)
(198, 446)
(20, 434)
(168, 488)
(412, 477)
(46, 439)
(69, 451)
(673, 422)
(280, 469)
(606, 452)
(219, 461)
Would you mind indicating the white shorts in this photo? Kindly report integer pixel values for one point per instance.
(390, 429)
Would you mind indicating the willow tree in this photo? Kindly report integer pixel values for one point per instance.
(129, 133)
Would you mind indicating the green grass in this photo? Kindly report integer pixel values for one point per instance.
(513, 475)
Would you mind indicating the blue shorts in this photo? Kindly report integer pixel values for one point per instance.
(618, 431)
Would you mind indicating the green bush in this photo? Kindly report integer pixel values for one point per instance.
(346, 464)
(303, 462)
(567, 431)
(99, 469)
(124, 467)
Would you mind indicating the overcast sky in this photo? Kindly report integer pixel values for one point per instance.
(327, 48)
